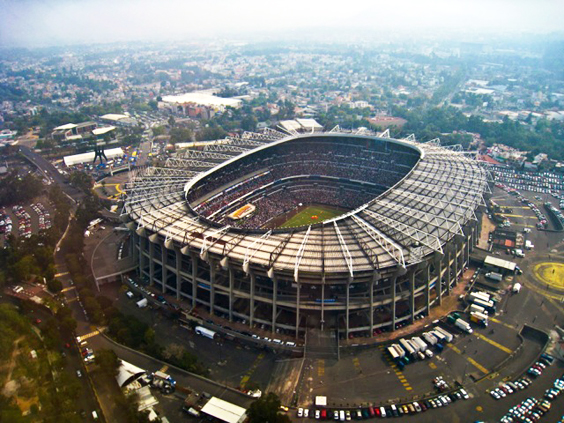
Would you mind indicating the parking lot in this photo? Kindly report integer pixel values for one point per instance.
(25, 220)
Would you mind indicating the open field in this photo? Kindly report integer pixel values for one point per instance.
(310, 215)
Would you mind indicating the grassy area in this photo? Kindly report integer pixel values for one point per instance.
(307, 216)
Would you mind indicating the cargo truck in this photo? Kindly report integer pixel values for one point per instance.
(422, 345)
(465, 326)
(409, 350)
(487, 305)
(399, 350)
(429, 338)
(447, 335)
(480, 296)
(413, 345)
(438, 335)
(475, 308)
(393, 353)
(479, 318)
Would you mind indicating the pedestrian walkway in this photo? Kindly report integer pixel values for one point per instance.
(90, 335)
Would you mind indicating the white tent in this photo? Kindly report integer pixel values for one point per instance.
(224, 411)
(128, 372)
(89, 157)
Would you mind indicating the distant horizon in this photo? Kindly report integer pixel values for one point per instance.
(317, 38)
(60, 23)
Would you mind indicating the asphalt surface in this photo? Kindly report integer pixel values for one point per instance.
(48, 169)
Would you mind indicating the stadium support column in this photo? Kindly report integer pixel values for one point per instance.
(252, 300)
(194, 278)
(371, 285)
(455, 263)
(231, 287)
(449, 269)
(298, 309)
(466, 246)
(151, 262)
(393, 304)
(212, 286)
(428, 287)
(164, 269)
(178, 268)
(274, 299)
(412, 294)
(133, 246)
(141, 255)
(347, 310)
(322, 322)
(439, 283)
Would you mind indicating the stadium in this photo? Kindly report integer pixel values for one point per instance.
(354, 232)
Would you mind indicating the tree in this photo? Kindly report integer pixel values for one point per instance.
(180, 135)
(265, 410)
(108, 361)
(54, 285)
(158, 130)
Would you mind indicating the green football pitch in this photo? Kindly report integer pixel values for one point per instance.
(305, 216)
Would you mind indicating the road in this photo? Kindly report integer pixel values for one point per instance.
(49, 170)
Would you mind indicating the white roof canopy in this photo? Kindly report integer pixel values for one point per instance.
(89, 157)
(497, 262)
(224, 411)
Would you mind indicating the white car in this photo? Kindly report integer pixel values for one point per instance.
(300, 412)
(495, 395)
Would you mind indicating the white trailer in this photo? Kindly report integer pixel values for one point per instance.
(448, 336)
(429, 338)
(392, 351)
(487, 305)
(475, 308)
(202, 331)
(414, 345)
(399, 350)
(422, 345)
(407, 347)
(480, 295)
(438, 335)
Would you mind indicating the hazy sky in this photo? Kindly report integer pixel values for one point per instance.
(60, 22)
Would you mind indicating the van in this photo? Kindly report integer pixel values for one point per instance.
(383, 412)
(342, 415)
(129, 294)
(95, 415)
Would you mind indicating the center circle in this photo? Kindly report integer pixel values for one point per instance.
(551, 274)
